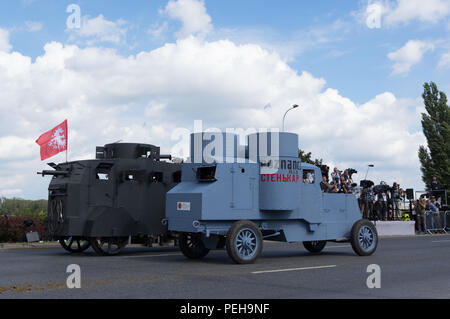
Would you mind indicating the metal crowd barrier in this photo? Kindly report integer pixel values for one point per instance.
(437, 221)
(447, 220)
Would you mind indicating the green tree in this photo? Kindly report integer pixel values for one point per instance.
(435, 158)
(306, 158)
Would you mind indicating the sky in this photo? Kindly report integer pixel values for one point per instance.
(142, 71)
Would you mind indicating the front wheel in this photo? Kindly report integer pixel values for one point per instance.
(364, 237)
(74, 245)
(191, 246)
(244, 242)
(314, 247)
(108, 246)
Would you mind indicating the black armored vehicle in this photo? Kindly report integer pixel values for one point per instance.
(116, 199)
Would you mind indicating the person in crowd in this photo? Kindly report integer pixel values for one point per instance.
(435, 202)
(420, 215)
(336, 176)
(367, 203)
(402, 195)
(325, 186)
(389, 205)
(396, 201)
(343, 186)
(308, 178)
(433, 217)
(311, 177)
(381, 199)
(349, 189)
(413, 204)
(435, 187)
(347, 176)
(348, 182)
(335, 188)
(434, 208)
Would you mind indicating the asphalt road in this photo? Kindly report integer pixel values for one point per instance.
(411, 267)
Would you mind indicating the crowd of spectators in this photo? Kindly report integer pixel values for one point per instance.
(340, 182)
(381, 202)
(384, 202)
(433, 219)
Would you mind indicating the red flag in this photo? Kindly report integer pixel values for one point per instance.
(53, 141)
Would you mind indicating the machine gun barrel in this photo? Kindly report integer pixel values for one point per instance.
(169, 157)
(53, 173)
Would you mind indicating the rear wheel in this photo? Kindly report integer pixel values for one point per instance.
(244, 242)
(191, 246)
(108, 246)
(315, 246)
(364, 238)
(74, 245)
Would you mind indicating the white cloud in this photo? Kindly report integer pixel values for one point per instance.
(108, 97)
(444, 61)
(430, 11)
(409, 55)
(157, 30)
(193, 16)
(15, 147)
(99, 29)
(402, 12)
(5, 46)
(33, 26)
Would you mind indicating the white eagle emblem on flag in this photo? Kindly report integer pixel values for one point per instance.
(58, 140)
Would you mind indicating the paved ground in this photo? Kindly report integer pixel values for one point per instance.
(411, 267)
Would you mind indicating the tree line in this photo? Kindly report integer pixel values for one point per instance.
(23, 208)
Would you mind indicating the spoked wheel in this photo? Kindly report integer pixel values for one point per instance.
(108, 246)
(364, 238)
(74, 245)
(244, 242)
(191, 246)
(315, 246)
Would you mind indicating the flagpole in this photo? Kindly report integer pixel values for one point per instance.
(67, 141)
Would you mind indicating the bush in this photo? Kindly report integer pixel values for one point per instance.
(12, 228)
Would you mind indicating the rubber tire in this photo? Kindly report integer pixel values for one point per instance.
(354, 237)
(198, 251)
(315, 249)
(101, 252)
(70, 249)
(231, 236)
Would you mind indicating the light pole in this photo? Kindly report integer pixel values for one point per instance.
(284, 117)
(368, 166)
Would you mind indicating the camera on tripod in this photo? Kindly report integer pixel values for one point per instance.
(351, 171)
(366, 183)
(382, 188)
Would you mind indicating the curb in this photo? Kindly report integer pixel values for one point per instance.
(13, 246)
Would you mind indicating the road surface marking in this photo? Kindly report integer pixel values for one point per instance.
(440, 241)
(292, 269)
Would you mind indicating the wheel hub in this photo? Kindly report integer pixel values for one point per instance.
(366, 238)
(246, 243)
